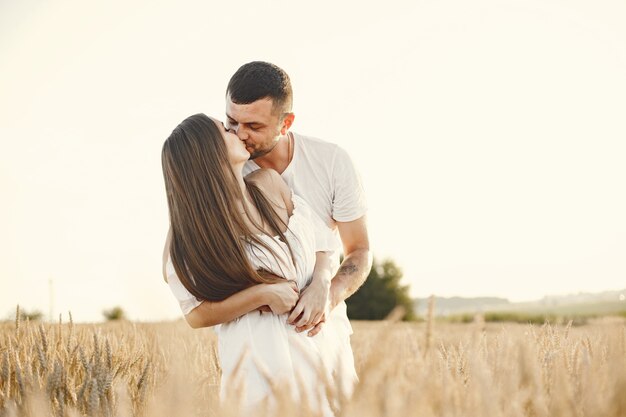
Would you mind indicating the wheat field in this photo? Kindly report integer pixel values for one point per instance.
(405, 369)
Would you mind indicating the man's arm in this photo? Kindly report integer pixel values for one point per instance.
(354, 269)
(348, 203)
(356, 264)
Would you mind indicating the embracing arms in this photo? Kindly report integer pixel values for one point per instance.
(348, 210)
(326, 292)
(279, 298)
(351, 275)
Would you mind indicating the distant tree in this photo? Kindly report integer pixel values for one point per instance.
(115, 313)
(33, 315)
(381, 293)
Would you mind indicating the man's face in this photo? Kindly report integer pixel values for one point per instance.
(257, 124)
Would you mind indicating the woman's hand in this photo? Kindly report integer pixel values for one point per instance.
(281, 297)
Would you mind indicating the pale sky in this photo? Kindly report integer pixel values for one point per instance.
(490, 136)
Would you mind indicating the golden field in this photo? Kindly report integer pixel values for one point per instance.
(405, 369)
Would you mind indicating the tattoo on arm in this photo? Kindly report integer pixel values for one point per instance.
(347, 269)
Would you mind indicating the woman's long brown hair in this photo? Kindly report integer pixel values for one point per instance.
(209, 234)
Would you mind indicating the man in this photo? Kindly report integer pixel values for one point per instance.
(259, 101)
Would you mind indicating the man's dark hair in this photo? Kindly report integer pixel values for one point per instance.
(257, 80)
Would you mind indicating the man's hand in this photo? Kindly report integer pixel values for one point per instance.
(312, 307)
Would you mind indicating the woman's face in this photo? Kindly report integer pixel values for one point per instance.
(236, 148)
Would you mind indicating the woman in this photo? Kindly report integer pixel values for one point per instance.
(238, 246)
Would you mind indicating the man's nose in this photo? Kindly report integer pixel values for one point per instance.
(241, 133)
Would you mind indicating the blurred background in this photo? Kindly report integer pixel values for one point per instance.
(490, 137)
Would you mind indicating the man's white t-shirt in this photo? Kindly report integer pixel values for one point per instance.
(323, 174)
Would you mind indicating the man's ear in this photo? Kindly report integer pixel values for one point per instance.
(287, 122)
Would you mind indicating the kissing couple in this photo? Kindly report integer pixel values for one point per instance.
(259, 216)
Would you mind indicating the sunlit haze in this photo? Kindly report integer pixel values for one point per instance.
(490, 136)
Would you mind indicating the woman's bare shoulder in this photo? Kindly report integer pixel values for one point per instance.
(263, 176)
(268, 179)
(273, 185)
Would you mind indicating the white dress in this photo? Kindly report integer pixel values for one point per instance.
(257, 348)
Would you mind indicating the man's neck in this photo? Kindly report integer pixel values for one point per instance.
(278, 158)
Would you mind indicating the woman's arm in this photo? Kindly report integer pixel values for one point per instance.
(279, 297)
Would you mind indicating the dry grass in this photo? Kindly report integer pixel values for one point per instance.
(167, 369)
